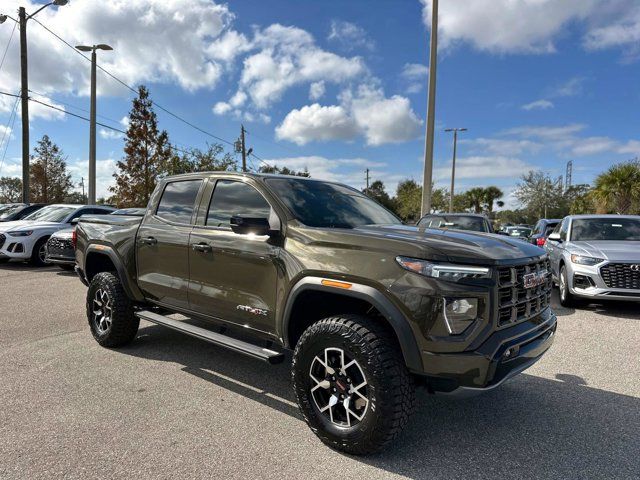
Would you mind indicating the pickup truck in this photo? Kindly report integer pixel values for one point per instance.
(370, 307)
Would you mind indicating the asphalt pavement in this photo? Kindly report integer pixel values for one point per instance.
(171, 406)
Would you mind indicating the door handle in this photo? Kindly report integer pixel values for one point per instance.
(202, 247)
(148, 241)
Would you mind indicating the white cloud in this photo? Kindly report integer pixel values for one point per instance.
(546, 132)
(632, 147)
(507, 26)
(316, 90)
(221, 108)
(484, 167)
(104, 174)
(315, 122)
(572, 87)
(366, 112)
(110, 134)
(415, 76)
(502, 147)
(538, 105)
(349, 36)
(623, 30)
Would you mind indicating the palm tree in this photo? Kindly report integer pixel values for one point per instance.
(476, 198)
(619, 187)
(492, 195)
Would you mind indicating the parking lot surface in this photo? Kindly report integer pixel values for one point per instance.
(170, 406)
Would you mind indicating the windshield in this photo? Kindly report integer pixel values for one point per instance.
(8, 210)
(620, 229)
(328, 205)
(52, 213)
(519, 231)
(457, 222)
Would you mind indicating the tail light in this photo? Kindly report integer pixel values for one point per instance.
(541, 241)
(74, 238)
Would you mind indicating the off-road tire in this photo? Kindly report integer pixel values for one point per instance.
(35, 259)
(391, 389)
(124, 324)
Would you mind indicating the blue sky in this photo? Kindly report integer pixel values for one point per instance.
(340, 86)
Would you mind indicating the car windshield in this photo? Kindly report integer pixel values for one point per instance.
(329, 205)
(51, 213)
(457, 222)
(619, 229)
(519, 231)
(8, 210)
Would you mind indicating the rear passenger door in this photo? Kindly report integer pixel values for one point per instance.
(162, 245)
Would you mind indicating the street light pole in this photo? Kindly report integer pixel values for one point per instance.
(427, 176)
(453, 166)
(24, 87)
(92, 119)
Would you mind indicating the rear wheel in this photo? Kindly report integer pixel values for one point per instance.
(351, 383)
(39, 253)
(110, 311)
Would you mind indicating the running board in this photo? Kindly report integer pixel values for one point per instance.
(234, 344)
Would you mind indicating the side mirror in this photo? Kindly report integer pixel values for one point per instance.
(74, 221)
(554, 237)
(247, 225)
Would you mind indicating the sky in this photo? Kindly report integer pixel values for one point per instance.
(337, 87)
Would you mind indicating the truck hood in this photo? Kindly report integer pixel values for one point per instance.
(615, 251)
(458, 246)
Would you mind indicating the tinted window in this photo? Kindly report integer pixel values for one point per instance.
(564, 226)
(178, 201)
(626, 229)
(456, 222)
(51, 213)
(329, 205)
(235, 198)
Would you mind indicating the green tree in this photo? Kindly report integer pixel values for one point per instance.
(274, 169)
(409, 200)
(476, 199)
(48, 177)
(380, 195)
(492, 196)
(540, 196)
(618, 189)
(579, 200)
(147, 154)
(212, 159)
(10, 190)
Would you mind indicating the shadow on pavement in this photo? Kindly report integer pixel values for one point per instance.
(609, 308)
(530, 427)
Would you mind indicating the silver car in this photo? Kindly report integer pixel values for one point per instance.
(596, 256)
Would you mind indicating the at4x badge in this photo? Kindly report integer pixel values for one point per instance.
(253, 310)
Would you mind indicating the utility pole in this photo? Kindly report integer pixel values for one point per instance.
(453, 166)
(568, 175)
(24, 95)
(82, 185)
(367, 178)
(92, 119)
(427, 176)
(244, 149)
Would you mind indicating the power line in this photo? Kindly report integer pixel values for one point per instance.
(186, 122)
(76, 115)
(70, 105)
(10, 123)
(4, 55)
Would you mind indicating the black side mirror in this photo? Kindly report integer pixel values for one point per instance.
(247, 225)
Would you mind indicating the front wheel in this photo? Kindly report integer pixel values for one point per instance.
(110, 311)
(567, 299)
(351, 383)
(39, 253)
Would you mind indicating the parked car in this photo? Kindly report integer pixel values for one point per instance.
(18, 211)
(596, 257)
(367, 304)
(542, 230)
(457, 221)
(521, 232)
(26, 239)
(60, 249)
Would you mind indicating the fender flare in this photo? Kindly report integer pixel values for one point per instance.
(130, 288)
(394, 316)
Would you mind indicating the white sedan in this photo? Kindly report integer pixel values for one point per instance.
(26, 239)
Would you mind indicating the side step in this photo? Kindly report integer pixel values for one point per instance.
(234, 344)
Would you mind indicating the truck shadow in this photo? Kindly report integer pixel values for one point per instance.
(531, 427)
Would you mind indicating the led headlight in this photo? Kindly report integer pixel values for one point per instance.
(459, 313)
(583, 260)
(21, 233)
(443, 271)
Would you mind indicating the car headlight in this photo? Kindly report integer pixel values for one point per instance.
(21, 233)
(459, 313)
(583, 260)
(442, 271)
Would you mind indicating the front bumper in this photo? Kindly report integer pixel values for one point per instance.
(487, 366)
(14, 248)
(598, 289)
(58, 260)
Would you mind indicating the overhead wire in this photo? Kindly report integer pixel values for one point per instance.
(4, 55)
(8, 129)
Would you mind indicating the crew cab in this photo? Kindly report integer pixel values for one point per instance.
(369, 306)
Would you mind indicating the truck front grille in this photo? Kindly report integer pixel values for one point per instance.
(517, 303)
(60, 246)
(621, 275)
(3, 238)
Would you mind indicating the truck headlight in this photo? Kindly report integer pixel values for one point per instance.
(443, 271)
(584, 260)
(21, 233)
(459, 313)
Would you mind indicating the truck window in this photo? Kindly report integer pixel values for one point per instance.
(178, 201)
(235, 198)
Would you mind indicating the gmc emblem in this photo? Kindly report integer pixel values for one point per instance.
(635, 268)
(532, 280)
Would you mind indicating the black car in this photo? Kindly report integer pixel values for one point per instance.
(542, 230)
(18, 211)
(457, 221)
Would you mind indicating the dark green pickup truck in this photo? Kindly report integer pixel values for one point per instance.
(369, 306)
